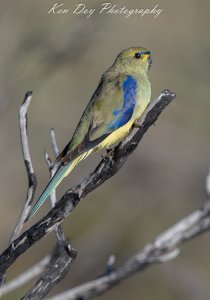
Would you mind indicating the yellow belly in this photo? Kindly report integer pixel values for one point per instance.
(123, 131)
(116, 136)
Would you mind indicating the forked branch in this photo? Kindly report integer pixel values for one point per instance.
(110, 165)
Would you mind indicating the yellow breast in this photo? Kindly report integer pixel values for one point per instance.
(143, 94)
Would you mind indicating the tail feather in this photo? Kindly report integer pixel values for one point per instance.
(63, 171)
(54, 182)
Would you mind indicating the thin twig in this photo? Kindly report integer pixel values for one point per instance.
(58, 229)
(52, 170)
(53, 200)
(162, 249)
(109, 166)
(32, 181)
(54, 143)
(207, 187)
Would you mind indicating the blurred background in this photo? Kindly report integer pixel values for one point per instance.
(61, 58)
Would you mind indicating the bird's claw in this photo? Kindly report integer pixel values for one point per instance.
(136, 124)
(107, 153)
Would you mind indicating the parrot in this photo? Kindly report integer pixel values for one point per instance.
(122, 95)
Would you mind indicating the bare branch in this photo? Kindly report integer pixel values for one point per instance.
(52, 169)
(208, 185)
(64, 254)
(25, 277)
(162, 249)
(57, 269)
(54, 143)
(32, 181)
(106, 169)
(58, 263)
(39, 267)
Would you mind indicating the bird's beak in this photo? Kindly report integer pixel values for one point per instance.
(147, 57)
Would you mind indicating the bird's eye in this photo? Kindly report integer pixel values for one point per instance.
(137, 55)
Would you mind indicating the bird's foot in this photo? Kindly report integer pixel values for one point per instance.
(136, 124)
(108, 151)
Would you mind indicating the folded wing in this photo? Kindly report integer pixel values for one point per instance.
(110, 108)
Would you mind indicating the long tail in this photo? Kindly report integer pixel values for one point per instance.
(62, 172)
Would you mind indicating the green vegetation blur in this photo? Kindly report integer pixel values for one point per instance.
(61, 58)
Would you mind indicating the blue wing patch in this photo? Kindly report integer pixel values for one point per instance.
(123, 115)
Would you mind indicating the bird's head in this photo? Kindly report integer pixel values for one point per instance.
(133, 60)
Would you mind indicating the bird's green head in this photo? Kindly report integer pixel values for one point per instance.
(133, 60)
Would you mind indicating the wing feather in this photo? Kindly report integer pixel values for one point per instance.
(110, 108)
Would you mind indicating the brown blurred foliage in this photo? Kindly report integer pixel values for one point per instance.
(61, 58)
